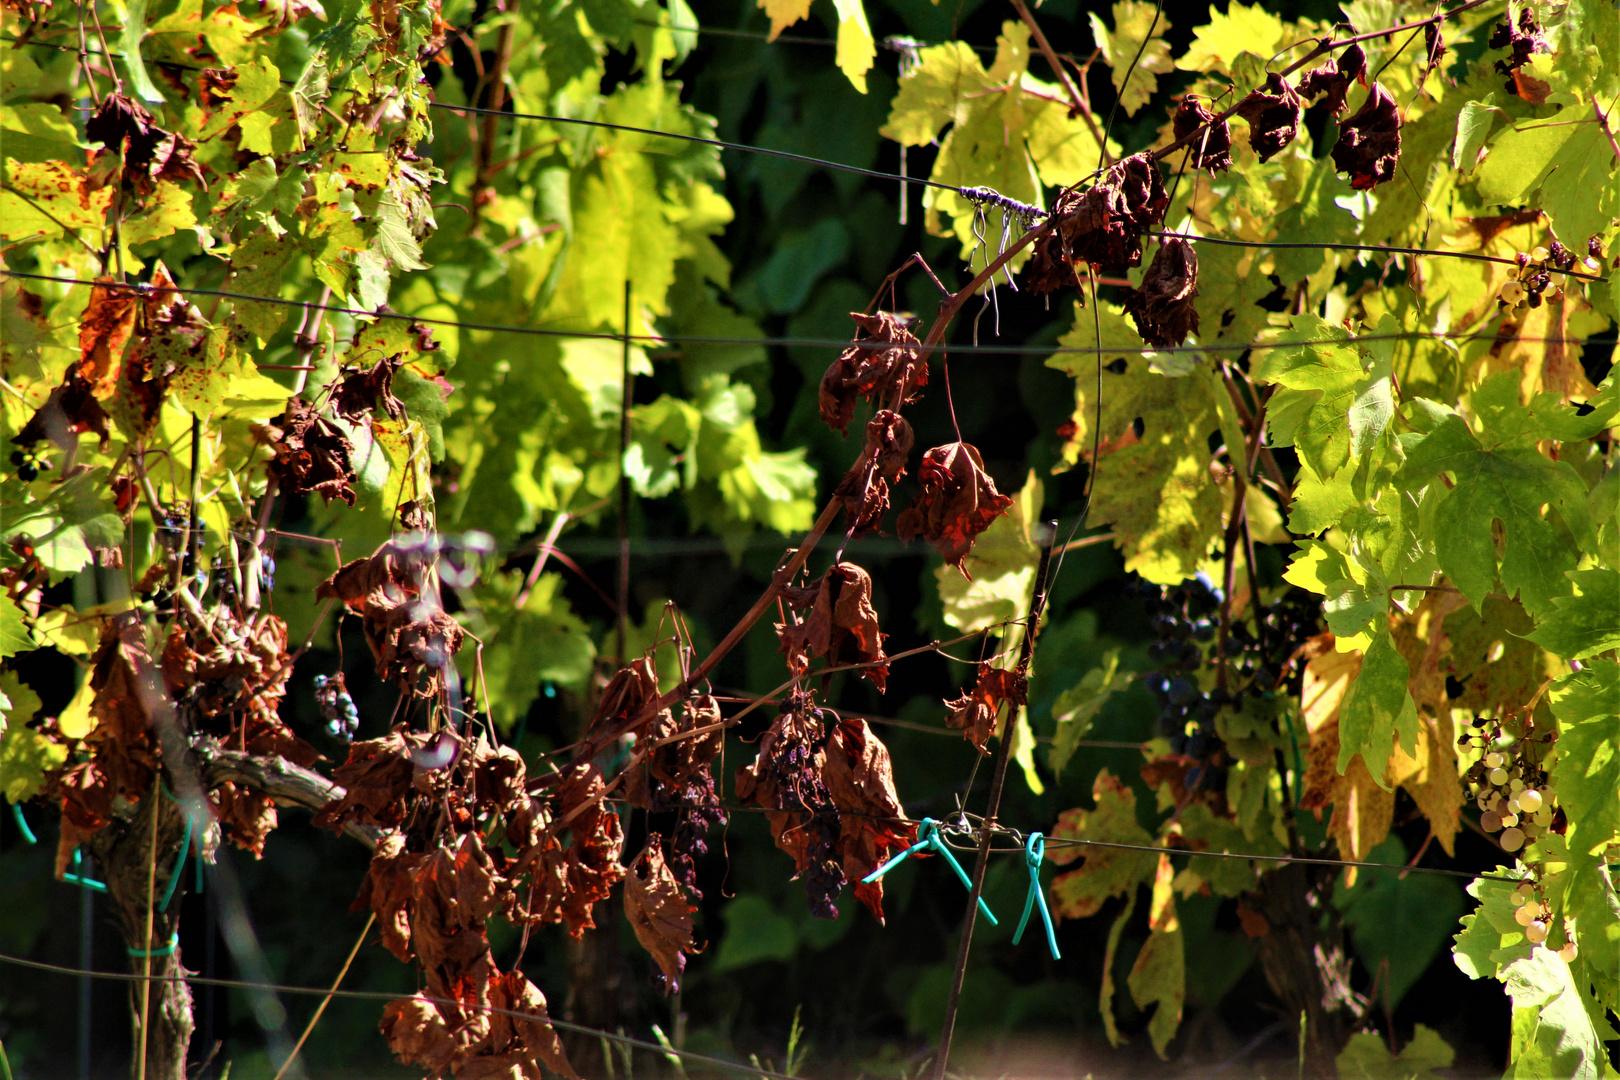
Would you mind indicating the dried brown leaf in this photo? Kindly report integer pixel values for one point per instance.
(655, 903)
(958, 502)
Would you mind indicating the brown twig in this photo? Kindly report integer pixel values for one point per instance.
(987, 827)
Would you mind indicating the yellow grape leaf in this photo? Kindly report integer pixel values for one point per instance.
(856, 50)
(1430, 776)
(1238, 29)
(784, 13)
(168, 211)
(75, 721)
(1160, 972)
(1130, 40)
(1155, 488)
(1106, 872)
(43, 198)
(1362, 809)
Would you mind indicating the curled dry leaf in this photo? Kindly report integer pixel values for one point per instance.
(958, 502)
(1332, 81)
(234, 690)
(104, 331)
(840, 627)
(1163, 306)
(661, 782)
(71, 409)
(882, 365)
(1434, 46)
(974, 713)
(486, 1047)
(1102, 225)
(630, 690)
(1211, 151)
(376, 781)
(362, 393)
(128, 690)
(860, 779)
(411, 636)
(1273, 111)
(1522, 40)
(312, 454)
(150, 153)
(1369, 143)
(655, 903)
(864, 490)
(246, 817)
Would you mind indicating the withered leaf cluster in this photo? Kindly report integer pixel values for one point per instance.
(370, 392)
(149, 153)
(1163, 307)
(974, 713)
(864, 490)
(1369, 145)
(839, 624)
(1332, 81)
(312, 454)
(828, 792)
(1211, 148)
(1102, 225)
(958, 502)
(1273, 111)
(882, 365)
(1522, 40)
(411, 636)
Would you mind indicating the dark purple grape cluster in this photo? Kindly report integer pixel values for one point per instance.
(697, 810)
(267, 573)
(791, 762)
(337, 707)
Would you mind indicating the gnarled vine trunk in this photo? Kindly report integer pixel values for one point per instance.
(136, 874)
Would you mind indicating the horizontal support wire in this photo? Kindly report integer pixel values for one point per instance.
(385, 995)
(656, 340)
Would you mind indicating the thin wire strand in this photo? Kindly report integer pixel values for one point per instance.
(1140, 349)
(385, 995)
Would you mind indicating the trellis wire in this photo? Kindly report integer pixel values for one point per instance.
(141, 288)
(384, 995)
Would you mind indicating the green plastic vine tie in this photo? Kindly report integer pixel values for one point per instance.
(22, 824)
(167, 950)
(1034, 853)
(928, 838)
(79, 879)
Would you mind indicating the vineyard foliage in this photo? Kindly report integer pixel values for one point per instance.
(363, 272)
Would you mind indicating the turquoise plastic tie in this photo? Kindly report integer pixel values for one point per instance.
(179, 866)
(79, 879)
(1034, 853)
(22, 824)
(928, 838)
(167, 950)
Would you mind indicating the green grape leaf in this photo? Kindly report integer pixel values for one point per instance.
(25, 755)
(14, 635)
(167, 213)
(755, 931)
(1311, 214)
(1587, 623)
(1497, 477)
(1105, 997)
(37, 131)
(259, 264)
(1586, 771)
(1399, 926)
(1367, 1057)
(1076, 708)
(129, 46)
(543, 640)
(1377, 710)
(1159, 974)
(1333, 403)
(256, 83)
(1106, 872)
(1474, 123)
(1139, 28)
(1490, 937)
(1205, 832)
(1554, 1032)
(1569, 158)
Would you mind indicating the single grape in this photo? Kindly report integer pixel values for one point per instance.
(1490, 821)
(1530, 800)
(1498, 776)
(1526, 913)
(1517, 898)
(28, 472)
(1512, 839)
(1181, 691)
(1567, 953)
(1493, 760)
(1516, 785)
(1536, 932)
(1544, 817)
(1510, 820)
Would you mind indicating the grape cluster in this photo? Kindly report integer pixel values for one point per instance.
(29, 465)
(337, 707)
(790, 761)
(1183, 623)
(1529, 285)
(1185, 626)
(267, 573)
(697, 810)
(1509, 789)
